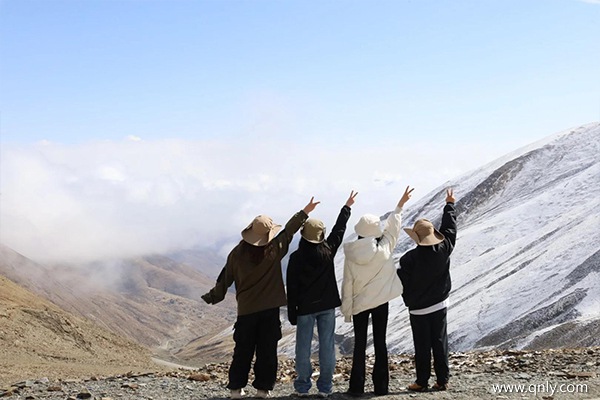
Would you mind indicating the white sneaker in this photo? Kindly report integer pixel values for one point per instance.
(237, 393)
(263, 394)
(301, 394)
(323, 395)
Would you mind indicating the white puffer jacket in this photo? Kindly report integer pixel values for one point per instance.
(370, 278)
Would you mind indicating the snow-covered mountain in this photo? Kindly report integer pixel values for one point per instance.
(526, 267)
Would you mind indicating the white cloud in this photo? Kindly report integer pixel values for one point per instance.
(112, 199)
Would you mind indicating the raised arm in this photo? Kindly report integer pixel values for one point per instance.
(282, 241)
(393, 224)
(448, 226)
(337, 232)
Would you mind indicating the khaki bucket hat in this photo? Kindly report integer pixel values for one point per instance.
(313, 231)
(261, 231)
(424, 233)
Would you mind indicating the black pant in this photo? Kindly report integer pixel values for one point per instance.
(255, 333)
(381, 374)
(430, 333)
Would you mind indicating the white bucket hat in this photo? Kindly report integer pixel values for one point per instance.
(368, 225)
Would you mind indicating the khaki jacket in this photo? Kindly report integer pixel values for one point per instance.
(258, 287)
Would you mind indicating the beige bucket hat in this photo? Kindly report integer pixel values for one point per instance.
(368, 226)
(424, 233)
(261, 231)
(313, 231)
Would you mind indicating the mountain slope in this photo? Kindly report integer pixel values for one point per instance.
(153, 300)
(38, 339)
(527, 259)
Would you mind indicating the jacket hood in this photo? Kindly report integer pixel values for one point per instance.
(361, 251)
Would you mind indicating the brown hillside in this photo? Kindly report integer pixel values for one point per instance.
(37, 339)
(154, 301)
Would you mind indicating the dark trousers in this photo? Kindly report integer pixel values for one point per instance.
(430, 333)
(381, 375)
(256, 333)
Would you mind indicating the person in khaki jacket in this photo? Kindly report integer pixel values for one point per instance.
(255, 267)
(370, 282)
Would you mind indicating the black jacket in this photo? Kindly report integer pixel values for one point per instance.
(311, 285)
(425, 270)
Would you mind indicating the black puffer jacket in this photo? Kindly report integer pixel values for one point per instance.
(425, 270)
(311, 282)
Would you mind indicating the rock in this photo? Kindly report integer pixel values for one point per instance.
(580, 374)
(9, 392)
(84, 395)
(128, 385)
(54, 388)
(523, 376)
(199, 377)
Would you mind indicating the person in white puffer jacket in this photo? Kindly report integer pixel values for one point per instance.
(370, 282)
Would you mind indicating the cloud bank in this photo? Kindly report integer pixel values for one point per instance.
(105, 200)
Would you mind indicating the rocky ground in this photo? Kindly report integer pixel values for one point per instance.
(550, 374)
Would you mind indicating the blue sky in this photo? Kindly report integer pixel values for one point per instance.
(144, 116)
(74, 71)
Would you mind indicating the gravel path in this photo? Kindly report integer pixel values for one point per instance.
(572, 374)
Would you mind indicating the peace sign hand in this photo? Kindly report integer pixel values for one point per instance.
(405, 196)
(350, 200)
(312, 204)
(450, 196)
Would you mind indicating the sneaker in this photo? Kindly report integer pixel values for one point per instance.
(237, 393)
(301, 394)
(440, 387)
(263, 394)
(415, 387)
(323, 395)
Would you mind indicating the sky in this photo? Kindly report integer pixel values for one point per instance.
(136, 126)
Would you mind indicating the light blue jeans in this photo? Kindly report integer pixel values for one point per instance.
(304, 333)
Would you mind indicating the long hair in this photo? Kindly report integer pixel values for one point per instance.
(315, 252)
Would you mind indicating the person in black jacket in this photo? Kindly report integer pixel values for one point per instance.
(313, 296)
(425, 275)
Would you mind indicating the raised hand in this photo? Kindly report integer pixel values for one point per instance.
(450, 196)
(405, 197)
(312, 204)
(350, 200)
